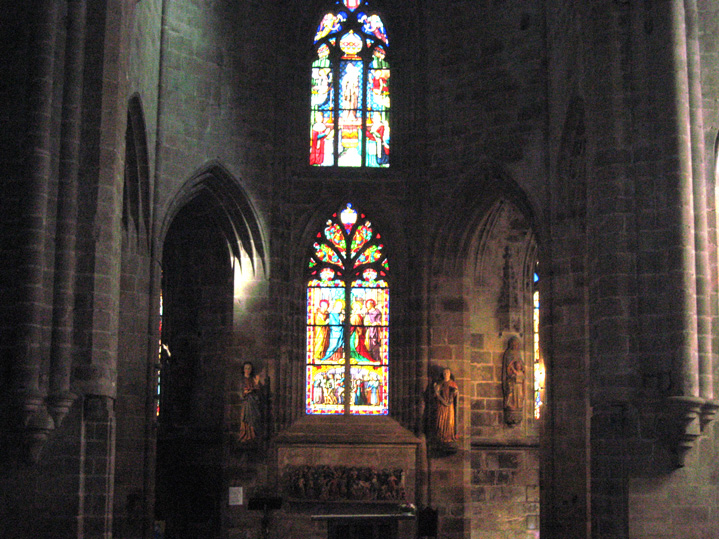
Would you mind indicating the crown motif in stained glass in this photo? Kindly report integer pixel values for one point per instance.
(351, 43)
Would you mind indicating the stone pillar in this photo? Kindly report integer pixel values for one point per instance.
(686, 366)
(31, 237)
(696, 114)
(97, 468)
(60, 398)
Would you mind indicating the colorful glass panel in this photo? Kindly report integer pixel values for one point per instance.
(372, 24)
(325, 389)
(322, 139)
(347, 319)
(350, 119)
(369, 390)
(333, 232)
(325, 325)
(325, 253)
(368, 324)
(361, 236)
(330, 24)
(372, 254)
(350, 90)
(539, 373)
(158, 365)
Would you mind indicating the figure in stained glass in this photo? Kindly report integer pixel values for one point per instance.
(322, 331)
(373, 320)
(321, 137)
(378, 135)
(336, 337)
(358, 341)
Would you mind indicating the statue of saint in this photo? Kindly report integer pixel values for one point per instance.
(445, 394)
(513, 374)
(250, 404)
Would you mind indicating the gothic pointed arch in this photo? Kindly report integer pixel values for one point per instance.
(482, 327)
(230, 208)
(136, 192)
(470, 209)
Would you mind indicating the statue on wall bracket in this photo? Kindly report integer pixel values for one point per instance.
(442, 396)
(251, 408)
(513, 382)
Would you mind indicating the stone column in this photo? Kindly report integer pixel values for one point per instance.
(686, 366)
(31, 264)
(60, 398)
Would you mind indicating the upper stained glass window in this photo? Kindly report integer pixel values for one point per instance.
(347, 318)
(350, 89)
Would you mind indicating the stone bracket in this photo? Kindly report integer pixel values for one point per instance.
(688, 417)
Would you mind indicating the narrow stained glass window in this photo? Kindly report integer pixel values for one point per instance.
(350, 89)
(347, 319)
(538, 360)
(158, 366)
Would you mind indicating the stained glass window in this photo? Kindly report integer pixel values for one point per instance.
(158, 365)
(350, 89)
(539, 373)
(347, 318)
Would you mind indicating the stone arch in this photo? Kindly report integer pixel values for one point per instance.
(467, 210)
(485, 254)
(234, 212)
(214, 269)
(136, 191)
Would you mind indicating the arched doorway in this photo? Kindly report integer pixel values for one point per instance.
(210, 236)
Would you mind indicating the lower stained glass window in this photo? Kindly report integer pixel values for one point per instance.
(539, 373)
(347, 319)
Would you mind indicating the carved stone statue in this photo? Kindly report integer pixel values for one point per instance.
(513, 375)
(250, 404)
(445, 394)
